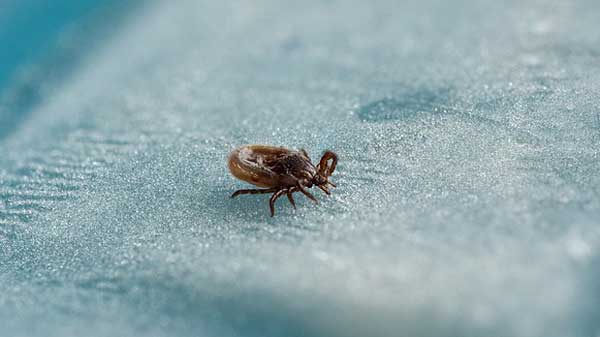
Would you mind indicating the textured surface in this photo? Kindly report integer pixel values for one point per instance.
(468, 199)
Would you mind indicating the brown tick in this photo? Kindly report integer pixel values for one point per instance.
(280, 171)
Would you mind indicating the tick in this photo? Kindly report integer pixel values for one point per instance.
(280, 171)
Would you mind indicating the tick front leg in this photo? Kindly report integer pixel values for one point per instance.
(275, 196)
(324, 189)
(255, 191)
(325, 169)
(307, 193)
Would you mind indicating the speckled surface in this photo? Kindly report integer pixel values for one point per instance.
(468, 199)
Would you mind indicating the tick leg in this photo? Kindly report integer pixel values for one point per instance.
(307, 193)
(240, 192)
(332, 184)
(305, 153)
(324, 189)
(274, 197)
(291, 197)
(323, 166)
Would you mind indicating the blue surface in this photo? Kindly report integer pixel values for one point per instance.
(468, 199)
(29, 28)
(42, 42)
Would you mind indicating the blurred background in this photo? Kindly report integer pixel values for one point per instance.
(44, 42)
(468, 199)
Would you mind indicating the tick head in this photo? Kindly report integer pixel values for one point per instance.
(319, 180)
(322, 182)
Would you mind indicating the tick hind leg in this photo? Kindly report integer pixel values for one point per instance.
(254, 191)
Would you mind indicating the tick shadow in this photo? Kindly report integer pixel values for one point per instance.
(251, 213)
(218, 203)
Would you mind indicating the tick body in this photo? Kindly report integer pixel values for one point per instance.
(280, 171)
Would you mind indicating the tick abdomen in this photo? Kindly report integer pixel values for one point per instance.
(252, 163)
